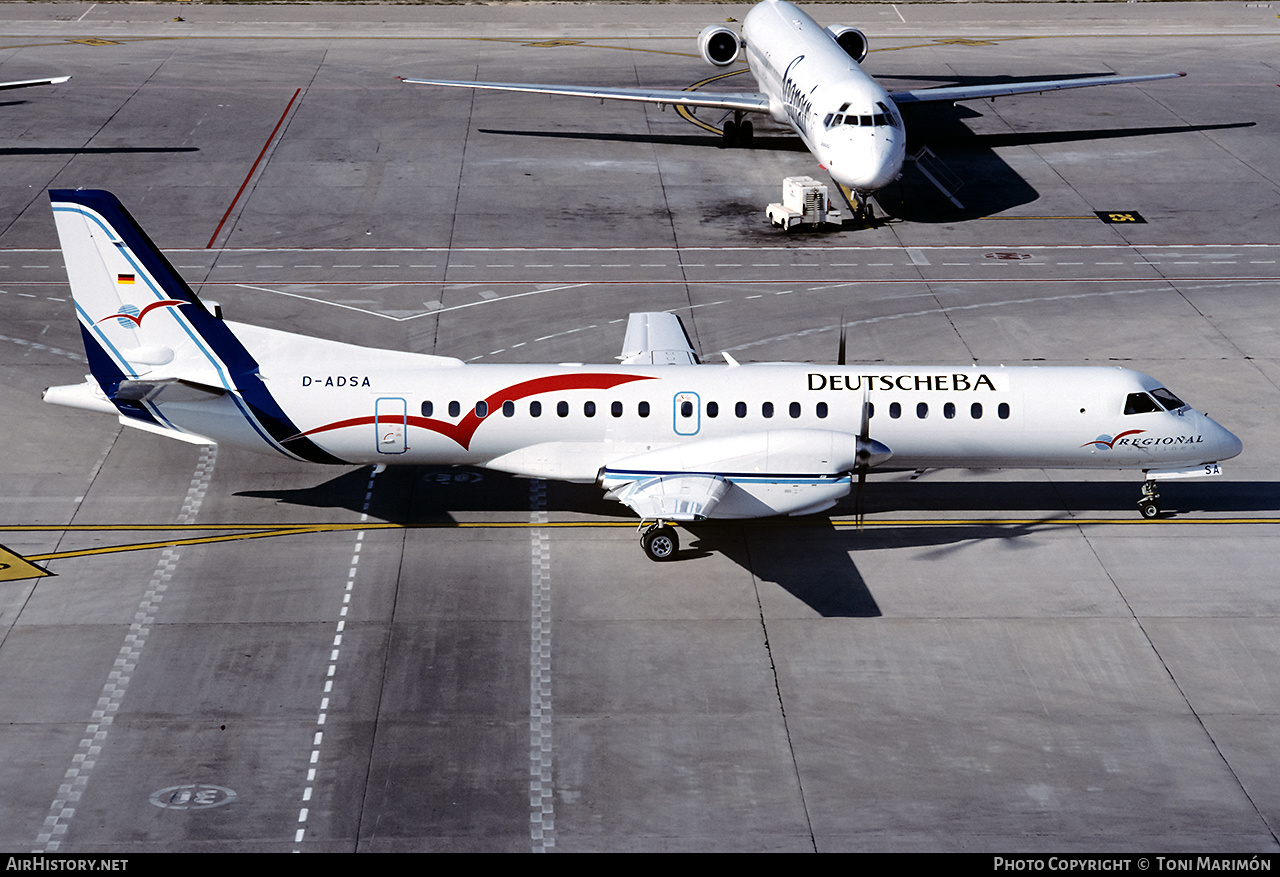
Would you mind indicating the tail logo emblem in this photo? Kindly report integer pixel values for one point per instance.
(130, 313)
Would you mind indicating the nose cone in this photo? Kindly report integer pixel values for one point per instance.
(867, 159)
(1228, 444)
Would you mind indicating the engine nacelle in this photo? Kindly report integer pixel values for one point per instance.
(719, 45)
(852, 40)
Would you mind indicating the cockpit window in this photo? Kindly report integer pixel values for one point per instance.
(869, 120)
(1139, 403)
(1167, 399)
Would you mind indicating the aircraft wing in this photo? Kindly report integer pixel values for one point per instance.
(673, 497)
(657, 339)
(747, 102)
(27, 83)
(954, 93)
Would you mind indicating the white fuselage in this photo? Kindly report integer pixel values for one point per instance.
(569, 422)
(844, 117)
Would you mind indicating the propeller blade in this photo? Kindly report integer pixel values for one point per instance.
(840, 358)
(860, 496)
(864, 448)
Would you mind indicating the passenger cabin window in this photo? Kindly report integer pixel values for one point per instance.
(949, 410)
(1003, 411)
(1140, 403)
(975, 410)
(482, 409)
(562, 409)
(767, 409)
(686, 408)
(508, 409)
(713, 409)
(740, 410)
(922, 410)
(794, 409)
(822, 410)
(589, 409)
(895, 410)
(454, 408)
(616, 409)
(427, 408)
(535, 409)
(643, 409)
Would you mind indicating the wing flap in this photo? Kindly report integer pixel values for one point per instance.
(747, 102)
(977, 92)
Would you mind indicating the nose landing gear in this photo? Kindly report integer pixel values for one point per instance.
(659, 542)
(1149, 504)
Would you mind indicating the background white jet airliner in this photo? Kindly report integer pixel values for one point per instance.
(673, 439)
(810, 79)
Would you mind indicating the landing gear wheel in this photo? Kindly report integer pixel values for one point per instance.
(1149, 504)
(660, 543)
(746, 133)
(730, 135)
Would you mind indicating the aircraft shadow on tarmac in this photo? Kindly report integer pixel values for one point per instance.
(93, 150)
(810, 558)
(768, 142)
(989, 185)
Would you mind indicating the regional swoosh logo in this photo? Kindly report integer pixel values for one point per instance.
(1107, 442)
(137, 318)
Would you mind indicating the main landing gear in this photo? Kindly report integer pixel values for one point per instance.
(659, 542)
(1149, 504)
(737, 132)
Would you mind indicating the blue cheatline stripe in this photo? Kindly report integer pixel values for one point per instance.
(737, 477)
(235, 366)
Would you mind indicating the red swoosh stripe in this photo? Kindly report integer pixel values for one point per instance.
(463, 431)
(1111, 444)
(137, 321)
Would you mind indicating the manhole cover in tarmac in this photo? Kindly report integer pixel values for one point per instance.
(193, 796)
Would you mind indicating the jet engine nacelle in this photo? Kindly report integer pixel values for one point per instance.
(852, 40)
(719, 45)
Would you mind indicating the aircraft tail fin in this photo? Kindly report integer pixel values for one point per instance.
(138, 317)
(146, 332)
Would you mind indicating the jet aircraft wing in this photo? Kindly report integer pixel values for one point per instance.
(747, 102)
(657, 339)
(27, 83)
(977, 92)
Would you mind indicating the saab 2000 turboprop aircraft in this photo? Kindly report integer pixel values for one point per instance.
(671, 438)
(810, 79)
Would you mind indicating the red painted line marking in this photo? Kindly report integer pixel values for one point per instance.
(249, 176)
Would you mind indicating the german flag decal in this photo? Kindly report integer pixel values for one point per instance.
(124, 278)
